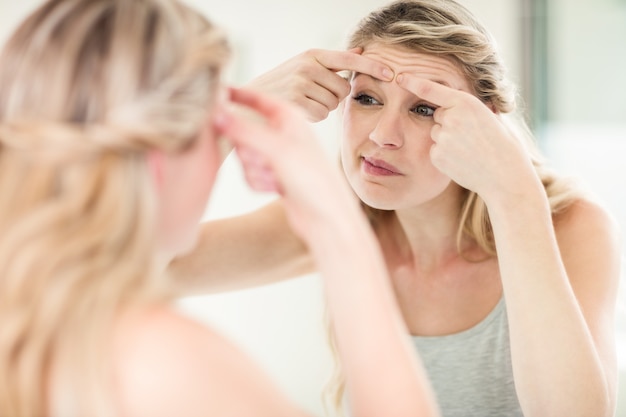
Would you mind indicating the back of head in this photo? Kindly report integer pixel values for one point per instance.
(145, 67)
(86, 88)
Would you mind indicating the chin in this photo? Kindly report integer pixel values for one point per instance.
(375, 196)
(381, 206)
(378, 202)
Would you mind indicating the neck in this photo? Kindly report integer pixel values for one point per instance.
(427, 235)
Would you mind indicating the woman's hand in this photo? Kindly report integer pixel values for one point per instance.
(279, 153)
(310, 80)
(472, 144)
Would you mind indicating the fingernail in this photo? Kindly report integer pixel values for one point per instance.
(388, 74)
(400, 78)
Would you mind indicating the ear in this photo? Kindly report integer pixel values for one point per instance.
(155, 160)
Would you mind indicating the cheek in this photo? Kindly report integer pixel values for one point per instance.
(417, 150)
(200, 169)
(201, 172)
(207, 168)
(356, 128)
(347, 135)
(353, 138)
(346, 122)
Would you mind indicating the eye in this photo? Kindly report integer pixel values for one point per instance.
(365, 100)
(424, 110)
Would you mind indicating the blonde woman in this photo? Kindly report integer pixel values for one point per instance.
(506, 274)
(109, 116)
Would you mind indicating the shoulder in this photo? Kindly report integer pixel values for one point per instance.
(586, 222)
(166, 364)
(589, 240)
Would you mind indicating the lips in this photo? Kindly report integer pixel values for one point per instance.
(375, 166)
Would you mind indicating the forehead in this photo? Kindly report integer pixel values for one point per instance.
(432, 67)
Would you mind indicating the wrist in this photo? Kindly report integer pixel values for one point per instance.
(521, 205)
(528, 192)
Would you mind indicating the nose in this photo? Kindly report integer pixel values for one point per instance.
(388, 132)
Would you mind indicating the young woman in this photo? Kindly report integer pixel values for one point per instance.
(109, 116)
(506, 274)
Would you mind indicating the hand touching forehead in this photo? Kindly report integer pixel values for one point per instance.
(434, 68)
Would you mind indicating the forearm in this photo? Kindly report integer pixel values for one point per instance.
(383, 375)
(322, 209)
(250, 250)
(556, 366)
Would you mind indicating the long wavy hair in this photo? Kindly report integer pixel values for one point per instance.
(447, 29)
(86, 88)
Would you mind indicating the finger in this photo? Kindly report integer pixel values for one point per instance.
(269, 107)
(327, 89)
(259, 175)
(243, 132)
(435, 133)
(428, 90)
(348, 60)
(250, 157)
(438, 115)
(259, 181)
(327, 97)
(435, 156)
(333, 83)
(314, 110)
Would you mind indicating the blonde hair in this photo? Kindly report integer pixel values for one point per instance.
(86, 88)
(447, 29)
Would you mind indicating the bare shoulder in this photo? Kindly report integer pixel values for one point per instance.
(166, 364)
(590, 244)
(586, 222)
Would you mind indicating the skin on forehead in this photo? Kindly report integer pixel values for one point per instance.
(404, 60)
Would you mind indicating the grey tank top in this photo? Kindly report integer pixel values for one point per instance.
(471, 371)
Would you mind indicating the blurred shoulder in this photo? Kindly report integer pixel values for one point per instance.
(167, 364)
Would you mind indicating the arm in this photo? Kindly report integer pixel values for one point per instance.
(165, 364)
(560, 290)
(321, 209)
(259, 247)
(383, 375)
(244, 251)
(559, 277)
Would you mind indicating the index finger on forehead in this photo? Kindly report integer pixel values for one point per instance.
(351, 61)
(432, 91)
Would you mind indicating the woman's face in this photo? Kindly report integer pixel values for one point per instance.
(386, 138)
